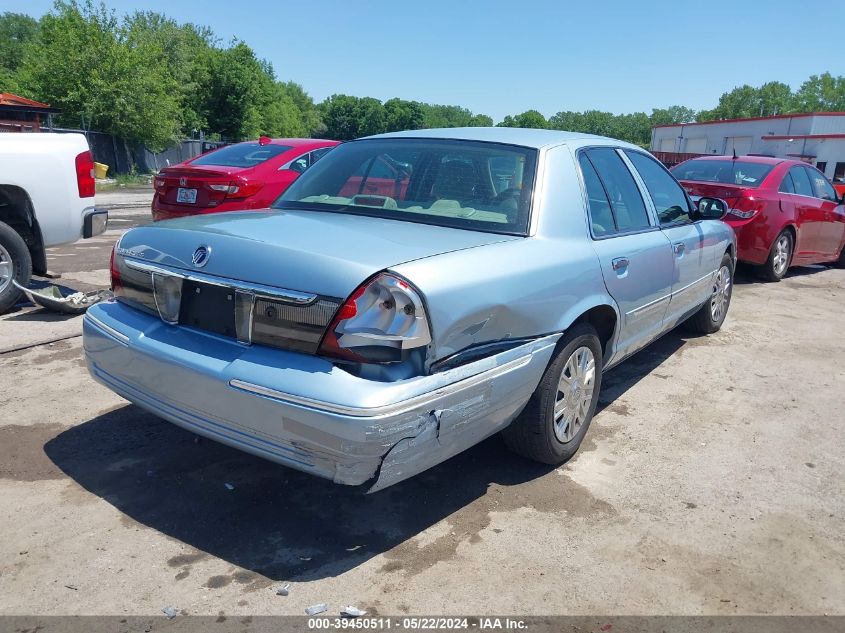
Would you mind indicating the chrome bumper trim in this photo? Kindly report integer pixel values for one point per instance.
(107, 329)
(395, 408)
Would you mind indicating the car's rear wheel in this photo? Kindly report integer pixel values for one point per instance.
(711, 315)
(779, 258)
(554, 422)
(15, 263)
(840, 263)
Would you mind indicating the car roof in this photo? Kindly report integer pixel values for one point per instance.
(296, 142)
(762, 160)
(526, 137)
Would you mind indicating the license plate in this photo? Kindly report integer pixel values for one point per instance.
(208, 307)
(188, 196)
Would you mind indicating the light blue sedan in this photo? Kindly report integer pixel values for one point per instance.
(410, 295)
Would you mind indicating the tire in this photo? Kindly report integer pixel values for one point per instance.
(780, 257)
(533, 434)
(840, 263)
(712, 313)
(15, 263)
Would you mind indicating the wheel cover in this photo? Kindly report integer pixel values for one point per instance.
(781, 255)
(7, 269)
(721, 296)
(574, 394)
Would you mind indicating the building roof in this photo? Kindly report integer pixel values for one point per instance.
(797, 115)
(14, 103)
(525, 137)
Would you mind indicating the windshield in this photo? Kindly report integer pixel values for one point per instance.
(727, 172)
(241, 155)
(462, 184)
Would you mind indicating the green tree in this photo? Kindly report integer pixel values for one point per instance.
(821, 93)
(16, 30)
(746, 101)
(528, 119)
(403, 115)
(672, 114)
(80, 61)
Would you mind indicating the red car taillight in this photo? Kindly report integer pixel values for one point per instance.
(159, 183)
(746, 207)
(380, 322)
(238, 189)
(85, 174)
(116, 285)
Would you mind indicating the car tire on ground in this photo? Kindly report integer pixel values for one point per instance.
(712, 313)
(780, 257)
(840, 263)
(554, 422)
(15, 263)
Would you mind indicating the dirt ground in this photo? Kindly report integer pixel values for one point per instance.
(711, 482)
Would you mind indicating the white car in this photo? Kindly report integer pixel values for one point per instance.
(46, 199)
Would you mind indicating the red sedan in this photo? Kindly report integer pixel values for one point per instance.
(784, 212)
(237, 177)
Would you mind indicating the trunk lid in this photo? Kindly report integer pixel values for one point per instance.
(170, 180)
(310, 251)
(729, 193)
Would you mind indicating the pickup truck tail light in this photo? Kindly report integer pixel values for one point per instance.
(381, 322)
(85, 174)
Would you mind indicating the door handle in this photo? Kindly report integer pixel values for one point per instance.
(679, 247)
(620, 262)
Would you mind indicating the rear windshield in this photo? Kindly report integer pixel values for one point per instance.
(241, 155)
(726, 172)
(462, 184)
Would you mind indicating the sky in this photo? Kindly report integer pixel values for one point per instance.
(504, 57)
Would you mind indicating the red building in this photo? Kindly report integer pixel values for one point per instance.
(18, 114)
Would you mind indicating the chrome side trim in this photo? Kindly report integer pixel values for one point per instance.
(281, 294)
(395, 408)
(645, 308)
(120, 336)
(706, 277)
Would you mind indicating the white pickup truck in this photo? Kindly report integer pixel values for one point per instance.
(46, 199)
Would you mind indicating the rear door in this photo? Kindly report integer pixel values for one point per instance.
(833, 229)
(635, 256)
(693, 254)
(809, 214)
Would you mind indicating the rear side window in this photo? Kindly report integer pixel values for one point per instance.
(801, 182)
(670, 200)
(821, 187)
(601, 217)
(241, 155)
(625, 200)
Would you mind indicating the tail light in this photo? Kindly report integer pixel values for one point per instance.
(158, 183)
(746, 207)
(240, 188)
(85, 174)
(381, 322)
(116, 285)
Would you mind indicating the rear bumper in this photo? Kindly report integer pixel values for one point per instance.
(94, 221)
(301, 411)
(164, 211)
(753, 239)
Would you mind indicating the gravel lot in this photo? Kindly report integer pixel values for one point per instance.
(711, 482)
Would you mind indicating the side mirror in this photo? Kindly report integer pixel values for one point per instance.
(711, 208)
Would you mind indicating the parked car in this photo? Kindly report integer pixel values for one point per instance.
(46, 199)
(784, 212)
(237, 177)
(366, 337)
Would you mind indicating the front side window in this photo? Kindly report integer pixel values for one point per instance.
(726, 172)
(670, 200)
(241, 155)
(821, 187)
(444, 182)
(801, 181)
(626, 202)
